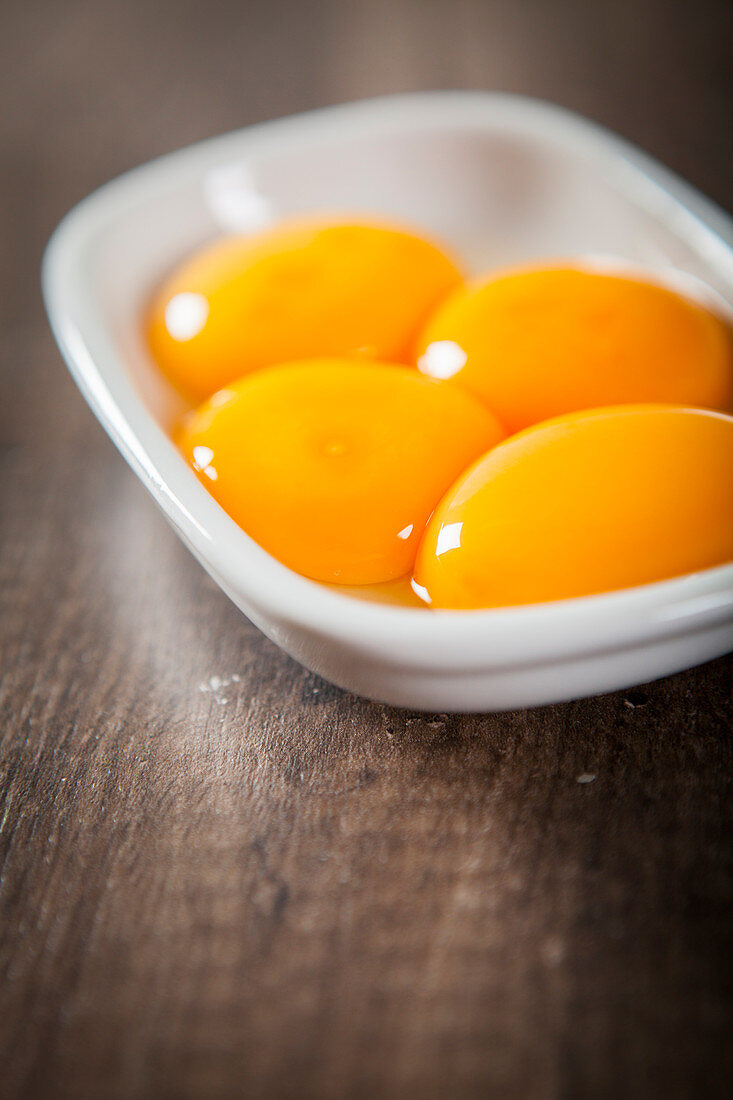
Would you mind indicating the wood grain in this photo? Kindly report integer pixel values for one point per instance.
(269, 888)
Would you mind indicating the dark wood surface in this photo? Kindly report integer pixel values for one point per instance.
(276, 889)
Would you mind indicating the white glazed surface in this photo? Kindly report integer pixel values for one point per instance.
(501, 178)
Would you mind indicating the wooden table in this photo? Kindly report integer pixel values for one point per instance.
(269, 888)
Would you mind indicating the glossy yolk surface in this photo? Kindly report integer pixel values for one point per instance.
(296, 291)
(539, 343)
(334, 466)
(586, 503)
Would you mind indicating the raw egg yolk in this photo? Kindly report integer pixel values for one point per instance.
(334, 466)
(296, 291)
(538, 343)
(586, 503)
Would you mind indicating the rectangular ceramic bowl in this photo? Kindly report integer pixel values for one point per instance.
(503, 179)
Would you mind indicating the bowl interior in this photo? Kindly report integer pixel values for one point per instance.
(505, 189)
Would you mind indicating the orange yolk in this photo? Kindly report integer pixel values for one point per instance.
(299, 290)
(334, 466)
(539, 343)
(586, 503)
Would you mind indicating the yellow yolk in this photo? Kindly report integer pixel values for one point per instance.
(586, 503)
(299, 290)
(334, 466)
(539, 343)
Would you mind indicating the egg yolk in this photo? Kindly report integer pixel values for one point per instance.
(334, 466)
(538, 343)
(586, 503)
(299, 290)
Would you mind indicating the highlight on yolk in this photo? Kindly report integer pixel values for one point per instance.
(538, 343)
(298, 290)
(586, 503)
(334, 466)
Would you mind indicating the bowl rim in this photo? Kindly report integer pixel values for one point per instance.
(444, 639)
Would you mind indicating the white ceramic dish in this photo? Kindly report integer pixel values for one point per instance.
(504, 179)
